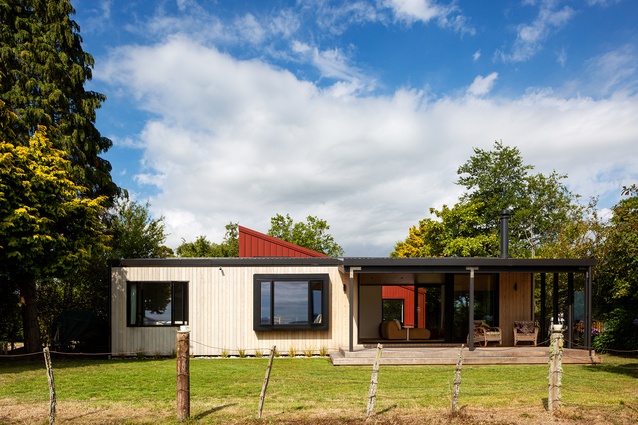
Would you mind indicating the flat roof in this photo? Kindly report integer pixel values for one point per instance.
(377, 264)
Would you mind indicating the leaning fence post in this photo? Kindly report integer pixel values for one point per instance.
(555, 369)
(456, 389)
(183, 374)
(262, 396)
(53, 401)
(372, 395)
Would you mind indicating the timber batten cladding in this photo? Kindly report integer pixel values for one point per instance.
(221, 305)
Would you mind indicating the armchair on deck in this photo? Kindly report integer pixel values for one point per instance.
(485, 333)
(525, 331)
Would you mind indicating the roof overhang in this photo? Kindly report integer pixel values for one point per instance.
(379, 265)
(461, 264)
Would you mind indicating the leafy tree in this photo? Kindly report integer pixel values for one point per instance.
(135, 233)
(496, 178)
(617, 297)
(48, 225)
(202, 247)
(312, 234)
(542, 211)
(453, 234)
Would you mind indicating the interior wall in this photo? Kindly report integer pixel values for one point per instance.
(370, 300)
(515, 303)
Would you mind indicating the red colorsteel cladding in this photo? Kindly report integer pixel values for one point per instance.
(256, 244)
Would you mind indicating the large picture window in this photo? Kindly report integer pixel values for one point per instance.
(157, 303)
(290, 302)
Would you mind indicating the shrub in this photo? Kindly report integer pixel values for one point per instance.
(621, 332)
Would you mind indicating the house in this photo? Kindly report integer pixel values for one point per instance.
(277, 293)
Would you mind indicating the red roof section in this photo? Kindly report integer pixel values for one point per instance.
(256, 244)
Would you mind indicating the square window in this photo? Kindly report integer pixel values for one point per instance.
(157, 303)
(290, 302)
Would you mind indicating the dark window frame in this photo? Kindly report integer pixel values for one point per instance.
(309, 280)
(139, 316)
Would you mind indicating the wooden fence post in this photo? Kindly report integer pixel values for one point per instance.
(372, 395)
(262, 396)
(183, 374)
(555, 369)
(456, 389)
(53, 401)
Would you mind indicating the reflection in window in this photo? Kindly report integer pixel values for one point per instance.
(157, 303)
(291, 302)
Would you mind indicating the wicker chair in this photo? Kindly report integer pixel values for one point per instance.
(485, 333)
(525, 331)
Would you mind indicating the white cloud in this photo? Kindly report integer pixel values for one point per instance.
(241, 141)
(614, 70)
(530, 37)
(482, 85)
(410, 11)
(416, 10)
(477, 55)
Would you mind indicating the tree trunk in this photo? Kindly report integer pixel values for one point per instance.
(29, 305)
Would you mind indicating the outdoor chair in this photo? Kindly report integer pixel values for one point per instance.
(484, 333)
(525, 331)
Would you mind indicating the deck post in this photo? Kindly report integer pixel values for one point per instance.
(570, 309)
(351, 297)
(471, 313)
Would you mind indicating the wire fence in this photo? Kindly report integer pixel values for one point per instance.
(406, 386)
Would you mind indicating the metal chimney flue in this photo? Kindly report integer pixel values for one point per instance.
(504, 225)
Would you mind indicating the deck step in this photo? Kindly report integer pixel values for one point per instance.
(362, 356)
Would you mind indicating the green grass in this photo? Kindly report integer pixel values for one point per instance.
(227, 390)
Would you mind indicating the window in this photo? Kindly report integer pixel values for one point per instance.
(392, 309)
(290, 302)
(157, 303)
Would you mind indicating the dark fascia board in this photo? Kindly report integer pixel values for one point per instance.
(377, 265)
(460, 264)
(225, 262)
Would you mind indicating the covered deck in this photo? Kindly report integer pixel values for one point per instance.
(411, 354)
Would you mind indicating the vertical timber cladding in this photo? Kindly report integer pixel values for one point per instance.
(220, 312)
(515, 302)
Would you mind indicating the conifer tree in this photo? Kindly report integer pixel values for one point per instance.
(43, 70)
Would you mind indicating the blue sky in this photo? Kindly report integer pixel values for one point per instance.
(357, 112)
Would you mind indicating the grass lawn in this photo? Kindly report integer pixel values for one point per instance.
(311, 390)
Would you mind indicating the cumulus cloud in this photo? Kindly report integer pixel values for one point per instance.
(240, 140)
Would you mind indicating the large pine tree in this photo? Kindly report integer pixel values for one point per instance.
(43, 70)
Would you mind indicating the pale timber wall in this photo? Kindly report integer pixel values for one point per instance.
(220, 312)
(514, 304)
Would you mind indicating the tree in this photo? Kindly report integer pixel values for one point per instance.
(453, 233)
(43, 69)
(312, 234)
(617, 296)
(135, 233)
(47, 224)
(203, 248)
(543, 211)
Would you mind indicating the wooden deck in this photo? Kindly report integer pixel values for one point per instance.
(405, 354)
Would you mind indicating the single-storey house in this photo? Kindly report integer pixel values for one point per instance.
(277, 293)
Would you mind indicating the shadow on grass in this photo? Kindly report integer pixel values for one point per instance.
(622, 365)
(202, 415)
(387, 409)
